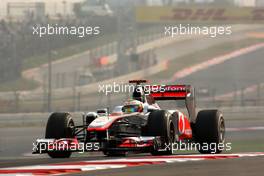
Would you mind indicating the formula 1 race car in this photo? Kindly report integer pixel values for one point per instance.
(142, 126)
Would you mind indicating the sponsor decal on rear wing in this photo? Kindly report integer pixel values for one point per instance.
(137, 81)
(170, 92)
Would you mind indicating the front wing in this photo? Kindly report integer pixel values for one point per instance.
(144, 144)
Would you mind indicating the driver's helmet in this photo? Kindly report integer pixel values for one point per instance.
(132, 106)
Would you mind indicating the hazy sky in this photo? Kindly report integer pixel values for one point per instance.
(51, 6)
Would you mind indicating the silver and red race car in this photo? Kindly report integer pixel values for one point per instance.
(149, 128)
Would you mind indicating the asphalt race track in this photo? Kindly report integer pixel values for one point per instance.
(244, 131)
(240, 166)
(224, 164)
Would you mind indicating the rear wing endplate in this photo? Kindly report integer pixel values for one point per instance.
(176, 92)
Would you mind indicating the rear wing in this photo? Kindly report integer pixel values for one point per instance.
(171, 92)
(138, 81)
(176, 92)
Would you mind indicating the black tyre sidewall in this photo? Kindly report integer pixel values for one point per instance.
(207, 129)
(159, 125)
(57, 128)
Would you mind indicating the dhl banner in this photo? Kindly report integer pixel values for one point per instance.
(157, 14)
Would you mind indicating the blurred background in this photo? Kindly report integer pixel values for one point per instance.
(62, 72)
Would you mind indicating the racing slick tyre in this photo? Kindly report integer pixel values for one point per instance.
(60, 125)
(161, 123)
(210, 131)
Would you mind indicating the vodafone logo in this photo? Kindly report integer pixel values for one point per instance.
(175, 88)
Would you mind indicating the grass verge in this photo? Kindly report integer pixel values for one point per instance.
(38, 60)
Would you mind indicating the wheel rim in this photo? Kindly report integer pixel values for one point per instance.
(222, 130)
(172, 133)
(71, 128)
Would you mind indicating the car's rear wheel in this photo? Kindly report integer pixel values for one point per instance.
(210, 131)
(60, 125)
(160, 123)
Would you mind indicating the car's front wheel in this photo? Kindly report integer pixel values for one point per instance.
(60, 125)
(160, 123)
